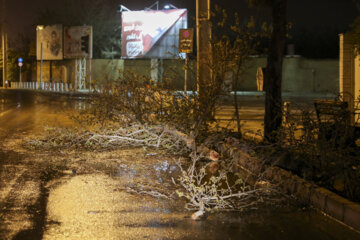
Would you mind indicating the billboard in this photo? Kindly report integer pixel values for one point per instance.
(78, 42)
(152, 34)
(49, 42)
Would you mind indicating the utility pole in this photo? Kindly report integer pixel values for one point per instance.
(273, 75)
(203, 37)
(4, 40)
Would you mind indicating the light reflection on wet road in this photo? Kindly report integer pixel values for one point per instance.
(24, 110)
(93, 205)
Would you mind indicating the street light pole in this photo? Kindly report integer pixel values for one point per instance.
(203, 36)
(39, 39)
(4, 41)
(197, 47)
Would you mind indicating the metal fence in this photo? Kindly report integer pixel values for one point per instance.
(44, 86)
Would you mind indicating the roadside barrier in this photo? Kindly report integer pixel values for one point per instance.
(44, 86)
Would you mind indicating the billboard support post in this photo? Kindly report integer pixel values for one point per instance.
(80, 73)
(156, 69)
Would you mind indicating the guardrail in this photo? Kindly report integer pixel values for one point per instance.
(45, 86)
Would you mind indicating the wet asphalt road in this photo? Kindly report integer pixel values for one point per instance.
(23, 194)
(90, 206)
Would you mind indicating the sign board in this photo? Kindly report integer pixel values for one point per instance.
(20, 64)
(20, 60)
(186, 37)
(152, 34)
(78, 42)
(49, 42)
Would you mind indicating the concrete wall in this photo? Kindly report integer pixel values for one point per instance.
(299, 75)
(174, 74)
(324, 75)
(106, 70)
(141, 66)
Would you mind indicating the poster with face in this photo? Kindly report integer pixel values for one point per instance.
(49, 44)
(78, 42)
(143, 30)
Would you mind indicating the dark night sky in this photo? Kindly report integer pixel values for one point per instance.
(310, 17)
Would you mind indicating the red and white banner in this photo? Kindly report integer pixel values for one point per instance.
(142, 30)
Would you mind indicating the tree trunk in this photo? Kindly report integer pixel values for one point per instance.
(273, 101)
(236, 105)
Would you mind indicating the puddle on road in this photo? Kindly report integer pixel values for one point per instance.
(91, 207)
(156, 172)
(97, 206)
(88, 207)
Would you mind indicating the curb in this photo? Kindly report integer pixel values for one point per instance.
(341, 209)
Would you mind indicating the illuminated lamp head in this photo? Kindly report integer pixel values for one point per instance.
(169, 6)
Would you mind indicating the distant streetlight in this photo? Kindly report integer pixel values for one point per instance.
(169, 6)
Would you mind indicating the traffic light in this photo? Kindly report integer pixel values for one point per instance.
(85, 44)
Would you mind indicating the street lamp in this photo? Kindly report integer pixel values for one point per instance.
(4, 41)
(169, 6)
(39, 28)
